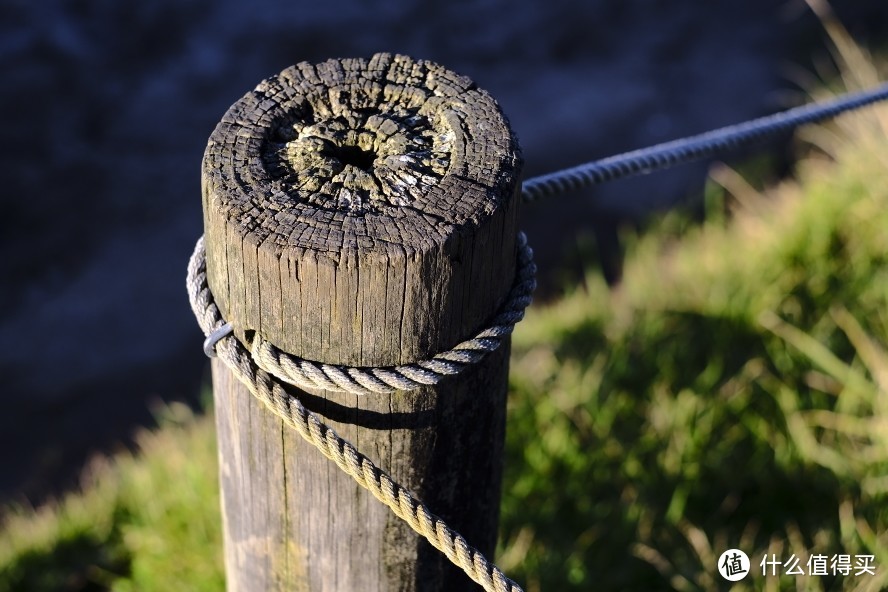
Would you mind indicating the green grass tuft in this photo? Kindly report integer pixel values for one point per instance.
(149, 522)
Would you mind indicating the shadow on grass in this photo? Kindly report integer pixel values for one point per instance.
(77, 563)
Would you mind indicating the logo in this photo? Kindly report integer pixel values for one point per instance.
(733, 565)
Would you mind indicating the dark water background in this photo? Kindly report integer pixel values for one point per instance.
(106, 107)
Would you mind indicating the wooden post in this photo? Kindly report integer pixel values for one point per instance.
(361, 212)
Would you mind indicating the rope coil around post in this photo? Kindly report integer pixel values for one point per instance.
(262, 384)
(366, 380)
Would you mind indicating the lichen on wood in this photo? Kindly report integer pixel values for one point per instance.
(369, 152)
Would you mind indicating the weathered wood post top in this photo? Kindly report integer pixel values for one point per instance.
(326, 175)
(361, 213)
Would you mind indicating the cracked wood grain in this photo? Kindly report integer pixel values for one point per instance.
(360, 212)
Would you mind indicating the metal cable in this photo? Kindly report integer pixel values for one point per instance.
(312, 428)
(661, 156)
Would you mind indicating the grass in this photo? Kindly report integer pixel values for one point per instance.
(731, 392)
(146, 522)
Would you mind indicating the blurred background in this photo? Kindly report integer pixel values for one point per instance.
(107, 106)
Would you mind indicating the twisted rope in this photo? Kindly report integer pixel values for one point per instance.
(661, 156)
(310, 426)
(365, 380)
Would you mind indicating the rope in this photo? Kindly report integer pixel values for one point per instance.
(388, 379)
(661, 156)
(310, 426)
(365, 380)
